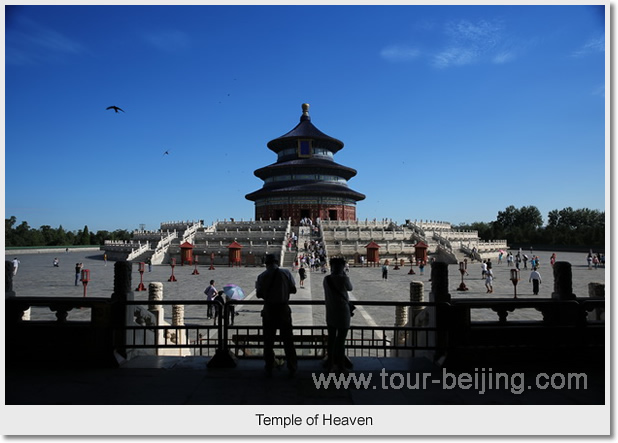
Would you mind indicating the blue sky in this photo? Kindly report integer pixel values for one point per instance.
(447, 113)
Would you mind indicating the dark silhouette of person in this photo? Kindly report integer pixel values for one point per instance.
(274, 286)
(338, 313)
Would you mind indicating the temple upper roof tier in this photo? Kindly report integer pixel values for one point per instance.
(305, 130)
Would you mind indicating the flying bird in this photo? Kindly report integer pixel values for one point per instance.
(166, 153)
(115, 108)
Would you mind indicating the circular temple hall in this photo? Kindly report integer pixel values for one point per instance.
(305, 181)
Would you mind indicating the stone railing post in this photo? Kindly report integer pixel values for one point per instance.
(597, 290)
(155, 293)
(120, 311)
(442, 317)
(14, 312)
(178, 319)
(563, 314)
(8, 279)
(401, 319)
(563, 281)
(178, 315)
(420, 317)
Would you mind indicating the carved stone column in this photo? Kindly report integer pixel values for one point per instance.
(401, 319)
(418, 315)
(178, 315)
(155, 293)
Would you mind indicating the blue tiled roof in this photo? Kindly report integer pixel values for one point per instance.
(305, 129)
(304, 166)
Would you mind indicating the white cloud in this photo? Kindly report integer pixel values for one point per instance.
(481, 33)
(399, 53)
(503, 57)
(466, 42)
(454, 56)
(600, 90)
(473, 42)
(593, 45)
(28, 42)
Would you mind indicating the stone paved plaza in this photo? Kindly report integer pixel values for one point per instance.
(37, 277)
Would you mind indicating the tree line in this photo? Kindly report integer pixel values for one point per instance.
(524, 226)
(24, 235)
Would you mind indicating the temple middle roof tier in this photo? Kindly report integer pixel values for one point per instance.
(308, 189)
(305, 166)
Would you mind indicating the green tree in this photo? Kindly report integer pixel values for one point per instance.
(9, 231)
(121, 234)
(61, 237)
(519, 225)
(22, 235)
(575, 227)
(83, 237)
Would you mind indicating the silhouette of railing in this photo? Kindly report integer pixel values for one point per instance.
(120, 328)
(246, 341)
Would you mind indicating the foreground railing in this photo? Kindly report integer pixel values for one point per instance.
(110, 329)
(246, 341)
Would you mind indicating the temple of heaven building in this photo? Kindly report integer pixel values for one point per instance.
(305, 181)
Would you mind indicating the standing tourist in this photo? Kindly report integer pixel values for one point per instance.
(210, 292)
(302, 274)
(219, 300)
(595, 261)
(15, 265)
(78, 271)
(535, 278)
(489, 277)
(338, 313)
(385, 270)
(274, 286)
